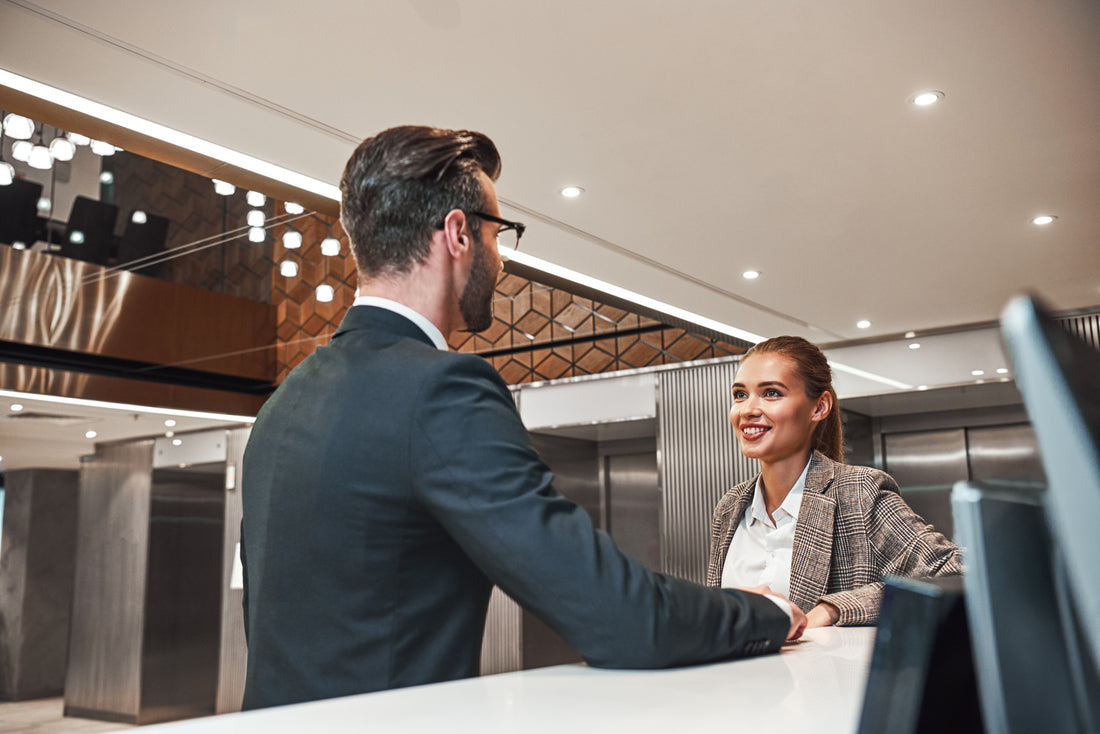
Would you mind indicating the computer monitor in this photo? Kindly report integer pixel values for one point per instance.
(1032, 580)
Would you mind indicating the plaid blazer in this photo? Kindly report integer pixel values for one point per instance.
(853, 529)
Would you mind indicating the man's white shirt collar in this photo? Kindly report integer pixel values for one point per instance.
(426, 326)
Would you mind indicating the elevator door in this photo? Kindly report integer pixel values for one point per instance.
(634, 505)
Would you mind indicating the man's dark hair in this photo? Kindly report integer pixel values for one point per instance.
(399, 185)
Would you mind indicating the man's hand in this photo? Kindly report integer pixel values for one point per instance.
(822, 615)
(799, 620)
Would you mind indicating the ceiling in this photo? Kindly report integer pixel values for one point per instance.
(710, 138)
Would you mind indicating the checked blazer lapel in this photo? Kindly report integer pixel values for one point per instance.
(726, 521)
(812, 551)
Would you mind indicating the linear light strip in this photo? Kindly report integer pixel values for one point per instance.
(869, 375)
(128, 407)
(168, 135)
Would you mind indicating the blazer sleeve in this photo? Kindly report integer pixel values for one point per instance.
(480, 477)
(903, 545)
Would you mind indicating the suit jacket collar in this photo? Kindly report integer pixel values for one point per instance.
(379, 321)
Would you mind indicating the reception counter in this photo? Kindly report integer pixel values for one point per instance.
(815, 684)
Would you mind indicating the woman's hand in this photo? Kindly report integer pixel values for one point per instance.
(823, 615)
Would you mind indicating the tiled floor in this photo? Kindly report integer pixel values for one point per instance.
(45, 717)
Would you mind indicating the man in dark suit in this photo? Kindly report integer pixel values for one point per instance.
(389, 483)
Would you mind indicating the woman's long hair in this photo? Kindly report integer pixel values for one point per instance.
(817, 377)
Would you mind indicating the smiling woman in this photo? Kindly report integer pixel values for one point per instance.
(820, 532)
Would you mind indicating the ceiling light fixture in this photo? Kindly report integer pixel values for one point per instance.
(864, 324)
(255, 198)
(177, 441)
(139, 217)
(16, 407)
(62, 149)
(40, 158)
(127, 407)
(292, 239)
(927, 98)
(77, 237)
(288, 269)
(330, 246)
(325, 293)
(107, 178)
(1002, 370)
(910, 334)
(572, 192)
(255, 218)
(169, 423)
(1043, 219)
(914, 345)
(18, 127)
(977, 373)
(750, 274)
(101, 148)
(257, 234)
(79, 139)
(7, 173)
(224, 188)
(90, 434)
(18, 245)
(292, 208)
(21, 150)
(44, 205)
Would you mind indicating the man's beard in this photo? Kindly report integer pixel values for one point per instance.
(476, 302)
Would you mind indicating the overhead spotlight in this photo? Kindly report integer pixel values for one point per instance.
(21, 150)
(925, 99)
(224, 188)
(7, 173)
(292, 208)
(101, 148)
(1043, 219)
(572, 192)
(292, 239)
(79, 139)
(865, 324)
(169, 423)
(257, 234)
(18, 127)
(325, 293)
(750, 274)
(16, 407)
(922, 387)
(977, 373)
(255, 198)
(288, 269)
(1002, 370)
(169, 434)
(76, 237)
(18, 245)
(44, 206)
(139, 217)
(107, 178)
(330, 246)
(914, 345)
(62, 149)
(177, 441)
(910, 334)
(40, 158)
(256, 218)
(90, 434)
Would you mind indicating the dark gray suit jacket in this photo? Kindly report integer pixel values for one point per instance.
(387, 486)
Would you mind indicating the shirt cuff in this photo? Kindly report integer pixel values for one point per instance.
(782, 604)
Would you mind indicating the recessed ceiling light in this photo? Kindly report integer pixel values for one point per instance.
(750, 274)
(924, 99)
(292, 208)
(139, 217)
(90, 434)
(865, 324)
(169, 434)
(1043, 219)
(223, 188)
(76, 237)
(169, 423)
(16, 407)
(256, 234)
(922, 387)
(914, 345)
(288, 269)
(177, 441)
(977, 373)
(572, 192)
(325, 293)
(1002, 370)
(255, 198)
(910, 334)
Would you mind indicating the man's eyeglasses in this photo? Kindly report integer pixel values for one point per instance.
(509, 233)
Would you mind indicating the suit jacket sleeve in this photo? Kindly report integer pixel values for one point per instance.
(903, 544)
(479, 476)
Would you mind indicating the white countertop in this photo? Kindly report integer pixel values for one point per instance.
(814, 685)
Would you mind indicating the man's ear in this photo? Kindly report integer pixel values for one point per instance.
(456, 234)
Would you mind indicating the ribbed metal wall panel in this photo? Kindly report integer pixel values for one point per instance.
(1085, 327)
(502, 647)
(698, 461)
